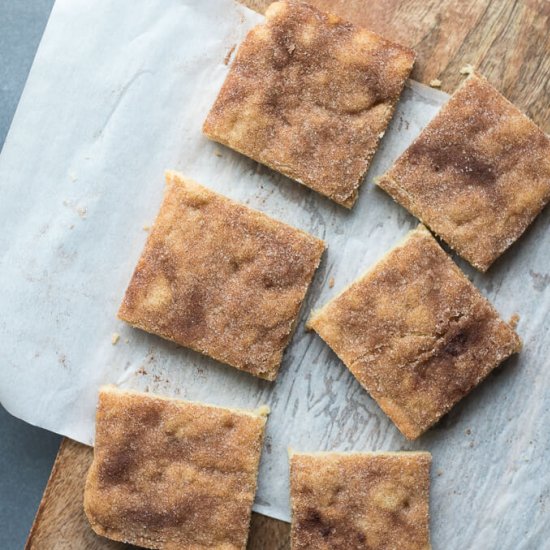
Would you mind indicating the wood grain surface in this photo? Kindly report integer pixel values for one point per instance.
(506, 40)
(60, 523)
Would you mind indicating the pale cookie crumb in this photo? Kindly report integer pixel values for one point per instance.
(435, 83)
(514, 320)
(146, 227)
(467, 69)
(115, 338)
(263, 410)
(331, 282)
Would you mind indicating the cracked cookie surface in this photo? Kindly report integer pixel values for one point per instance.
(347, 501)
(309, 95)
(477, 175)
(415, 333)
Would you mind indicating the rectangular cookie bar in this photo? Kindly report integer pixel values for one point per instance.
(220, 278)
(342, 501)
(415, 333)
(310, 95)
(477, 175)
(172, 474)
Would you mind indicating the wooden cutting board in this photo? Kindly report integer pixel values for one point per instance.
(506, 40)
(60, 523)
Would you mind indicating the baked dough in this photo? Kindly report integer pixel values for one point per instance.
(415, 333)
(221, 278)
(172, 474)
(477, 175)
(349, 501)
(310, 95)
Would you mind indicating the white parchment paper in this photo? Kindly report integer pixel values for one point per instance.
(118, 93)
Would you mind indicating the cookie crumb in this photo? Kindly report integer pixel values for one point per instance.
(82, 211)
(435, 83)
(467, 69)
(227, 58)
(72, 176)
(331, 282)
(218, 154)
(115, 338)
(146, 227)
(514, 320)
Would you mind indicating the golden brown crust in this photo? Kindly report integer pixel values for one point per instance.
(347, 501)
(415, 333)
(172, 474)
(309, 95)
(221, 278)
(477, 175)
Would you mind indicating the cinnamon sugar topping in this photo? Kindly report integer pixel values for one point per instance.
(221, 278)
(342, 501)
(415, 333)
(309, 95)
(477, 175)
(172, 474)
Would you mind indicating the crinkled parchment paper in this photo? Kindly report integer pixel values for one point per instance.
(118, 93)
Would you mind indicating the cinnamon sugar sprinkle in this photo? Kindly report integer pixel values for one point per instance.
(309, 95)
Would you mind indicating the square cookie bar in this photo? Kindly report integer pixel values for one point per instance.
(345, 501)
(415, 333)
(310, 95)
(221, 278)
(477, 175)
(172, 474)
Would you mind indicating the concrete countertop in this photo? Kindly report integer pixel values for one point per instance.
(26, 453)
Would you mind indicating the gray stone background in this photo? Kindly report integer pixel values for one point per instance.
(26, 453)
